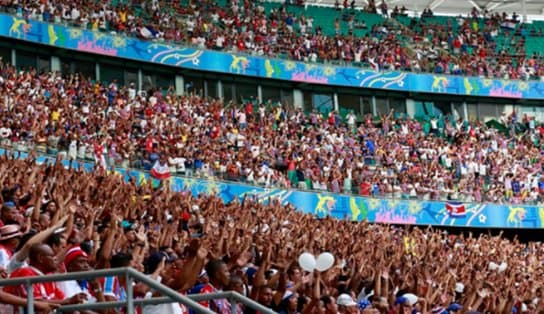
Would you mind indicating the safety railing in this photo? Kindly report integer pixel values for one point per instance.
(131, 276)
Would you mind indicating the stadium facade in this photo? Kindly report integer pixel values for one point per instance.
(325, 87)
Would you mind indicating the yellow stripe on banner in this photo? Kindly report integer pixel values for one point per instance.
(142, 180)
(410, 246)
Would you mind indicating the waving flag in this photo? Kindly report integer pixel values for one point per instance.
(509, 25)
(456, 209)
(160, 171)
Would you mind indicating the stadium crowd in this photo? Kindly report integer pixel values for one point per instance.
(465, 46)
(274, 145)
(58, 219)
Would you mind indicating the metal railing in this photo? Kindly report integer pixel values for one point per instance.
(131, 276)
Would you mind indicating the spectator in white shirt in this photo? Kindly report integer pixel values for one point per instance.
(77, 260)
(10, 236)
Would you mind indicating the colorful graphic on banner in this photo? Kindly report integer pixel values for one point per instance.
(205, 60)
(354, 208)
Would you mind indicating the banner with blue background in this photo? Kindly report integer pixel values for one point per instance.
(192, 58)
(355, 208)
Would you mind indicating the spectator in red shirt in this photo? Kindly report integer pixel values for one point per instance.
(219, 275)
(42, 261)
(364, 188)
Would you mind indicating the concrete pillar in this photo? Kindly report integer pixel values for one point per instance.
(180, 85)
(335, 102)
(410, 108)
(374, 111)
(298, 99)
(97, 71)
(260, 93)
(220, 91)
(140, 79)
(465, 111)
(55, 64)
(13, 57)
(508, 109)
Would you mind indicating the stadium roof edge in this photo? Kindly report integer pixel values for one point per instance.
(534, 9)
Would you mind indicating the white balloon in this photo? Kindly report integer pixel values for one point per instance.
(307, 262)
(411, 298)
(324, 261)
(459, 287)
(493, 266)
(502, 267)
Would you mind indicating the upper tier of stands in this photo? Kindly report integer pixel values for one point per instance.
(496, 46)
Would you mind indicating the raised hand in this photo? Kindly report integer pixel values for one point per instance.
(78, 298)
(244, 259)
(141, 235)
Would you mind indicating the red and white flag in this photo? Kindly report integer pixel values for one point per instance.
(160, 171)
(456, 209)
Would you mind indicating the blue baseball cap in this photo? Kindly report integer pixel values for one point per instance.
(454, 307)
(400, 300)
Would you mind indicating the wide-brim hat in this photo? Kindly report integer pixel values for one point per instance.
(9, 232)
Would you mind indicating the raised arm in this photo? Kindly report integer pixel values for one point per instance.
(22, 254)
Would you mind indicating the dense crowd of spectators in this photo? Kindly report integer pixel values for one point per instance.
(490, 45)
(272, 145)
(463, 46)
(56, 219)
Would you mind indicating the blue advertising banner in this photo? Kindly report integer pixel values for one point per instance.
(355, 208)
(192, 58)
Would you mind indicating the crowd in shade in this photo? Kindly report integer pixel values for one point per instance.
(272, 145)
(58, 219)
(460, 46)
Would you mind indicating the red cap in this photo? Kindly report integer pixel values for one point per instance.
(74, 253)
(185, 216)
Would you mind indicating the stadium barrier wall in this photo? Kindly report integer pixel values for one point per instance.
(354, 208)
(205, 60)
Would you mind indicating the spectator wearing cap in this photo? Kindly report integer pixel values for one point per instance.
(27, 241)
(346, 304)
(289, 303)
(10, 236)
(454, 308)
(77, 260)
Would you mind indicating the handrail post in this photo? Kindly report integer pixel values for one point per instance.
(130, 293)
(233, 307)
(30, 299)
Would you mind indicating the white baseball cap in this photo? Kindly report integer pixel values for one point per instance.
(345, 300)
